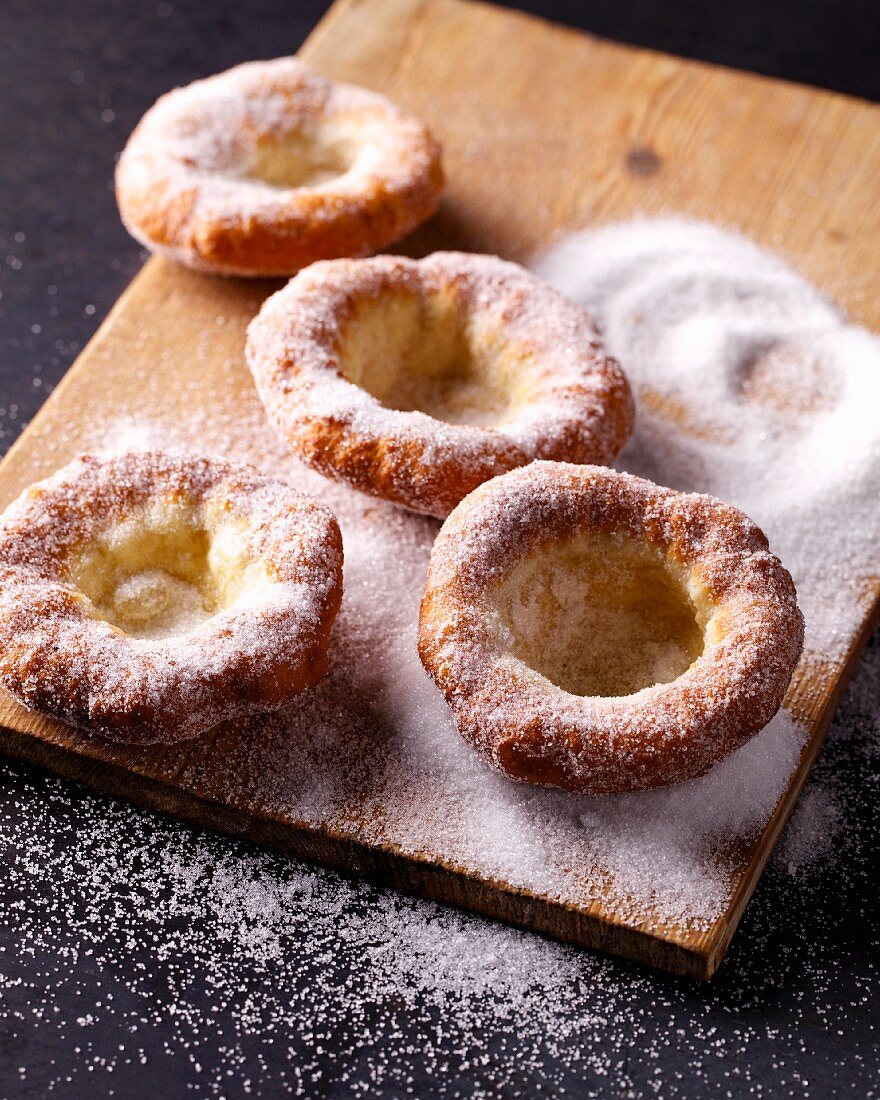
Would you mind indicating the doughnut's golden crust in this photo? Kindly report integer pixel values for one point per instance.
(59, 658)
(576, 404)
(187, 187)
(533, 730)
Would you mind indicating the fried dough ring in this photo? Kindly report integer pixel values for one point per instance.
(94, 560)
(417, 380)
(593, 631)
(268, 167)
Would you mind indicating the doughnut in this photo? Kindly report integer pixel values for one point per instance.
(267, 167)
(593, 631)
(417, 380)
(148, 597)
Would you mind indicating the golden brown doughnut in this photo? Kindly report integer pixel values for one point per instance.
(416, 380)
(267, 167)
(149, 597)
(593, 631)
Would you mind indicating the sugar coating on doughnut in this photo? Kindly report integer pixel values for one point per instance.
(149, 597)
(268, 167)
(593, 631)
(417, 380)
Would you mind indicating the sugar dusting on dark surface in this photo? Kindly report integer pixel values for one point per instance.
(264, 977)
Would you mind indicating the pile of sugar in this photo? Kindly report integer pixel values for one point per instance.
(372, 753)
(751, 386)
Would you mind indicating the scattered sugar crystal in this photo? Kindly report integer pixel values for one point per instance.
(183, 953)
(812, 831)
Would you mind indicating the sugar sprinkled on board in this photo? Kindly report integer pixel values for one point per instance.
(751, 386)
(226, 956)
(363, 749)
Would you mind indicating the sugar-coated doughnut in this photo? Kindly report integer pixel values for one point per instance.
(416, 380)
(149, 597)
(596, 632)
(267, 167)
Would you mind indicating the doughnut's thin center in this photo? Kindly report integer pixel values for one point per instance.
(152, 603)
(601, 615)
(162, 572)
(298, 160)
(426, 354)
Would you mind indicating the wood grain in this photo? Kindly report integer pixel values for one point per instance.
(544, 130)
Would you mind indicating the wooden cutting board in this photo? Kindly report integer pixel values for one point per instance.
(543, 129)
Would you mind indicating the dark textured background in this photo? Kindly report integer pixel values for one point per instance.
(74, 79)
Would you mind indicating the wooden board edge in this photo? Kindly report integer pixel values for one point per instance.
(390, 23)
(727, 925)
(383, 866)
(533, 18)
(324, 27)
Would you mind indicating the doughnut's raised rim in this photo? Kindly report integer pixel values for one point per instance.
(178, 194)
(59, 660)
(580, 410)
(532, 730)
